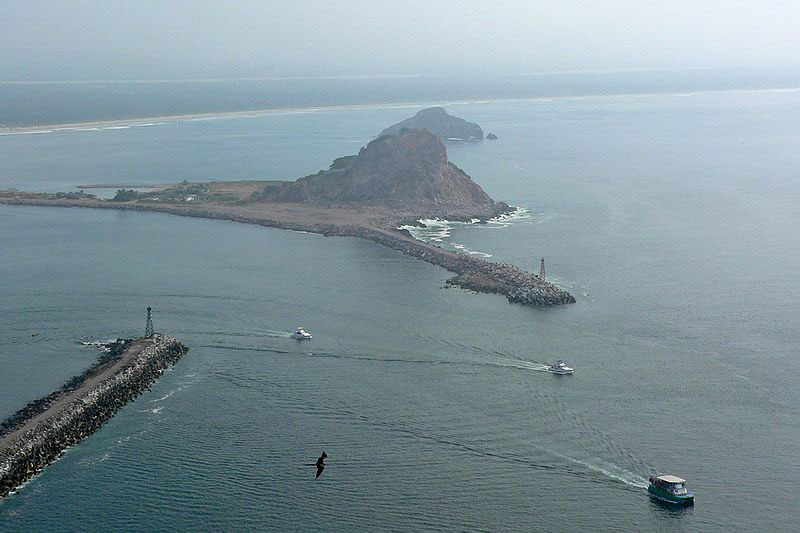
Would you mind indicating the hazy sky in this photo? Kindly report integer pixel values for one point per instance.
(155, 39)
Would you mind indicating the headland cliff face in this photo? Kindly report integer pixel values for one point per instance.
(409, 170)
(439, 122)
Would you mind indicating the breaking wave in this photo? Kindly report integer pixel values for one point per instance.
(438, 230)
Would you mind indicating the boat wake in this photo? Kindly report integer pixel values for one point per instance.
(605, 468)
(246, 348)
(573, 446)
(519, 364)
(563, 463)
(277, 334)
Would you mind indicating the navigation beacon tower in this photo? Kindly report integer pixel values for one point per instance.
(148, 327)
(541, 270)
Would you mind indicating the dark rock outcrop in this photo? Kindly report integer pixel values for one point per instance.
(439, 122)
(407, 169)
(491, 137)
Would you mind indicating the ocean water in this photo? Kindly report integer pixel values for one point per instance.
(672, 218)
(30, 102)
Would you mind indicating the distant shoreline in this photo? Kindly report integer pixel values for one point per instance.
(214, 115)
(152, 120)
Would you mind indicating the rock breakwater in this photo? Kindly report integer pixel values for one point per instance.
(472, 273)
(40, 433)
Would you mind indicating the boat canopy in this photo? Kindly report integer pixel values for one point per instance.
(671, 479)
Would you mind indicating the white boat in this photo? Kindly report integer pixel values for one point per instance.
(301, 334)
(560, 368)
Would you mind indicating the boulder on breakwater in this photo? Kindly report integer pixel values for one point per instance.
(39, 433)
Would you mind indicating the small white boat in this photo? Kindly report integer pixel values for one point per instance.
(301, 334)
(560, 368)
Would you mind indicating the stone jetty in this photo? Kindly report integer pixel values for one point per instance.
(472, 273)
(39, 433)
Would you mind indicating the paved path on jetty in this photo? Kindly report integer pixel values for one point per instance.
(57, 406)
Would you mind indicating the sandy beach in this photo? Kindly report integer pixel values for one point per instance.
(213, 115)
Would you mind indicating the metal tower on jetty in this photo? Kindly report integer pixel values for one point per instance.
(148, 327)
(541, 270)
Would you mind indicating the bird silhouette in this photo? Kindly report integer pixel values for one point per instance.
(320, 464)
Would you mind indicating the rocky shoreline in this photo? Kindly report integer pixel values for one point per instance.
(39, 434)
(471, 273)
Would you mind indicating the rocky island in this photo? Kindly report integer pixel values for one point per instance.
(439, 122)
(395, 180)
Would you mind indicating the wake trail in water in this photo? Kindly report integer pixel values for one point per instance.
(500, 359)
(262, 334)
(596, 466)
(520, 364)
(245, 348)
(570, 424)
(277, 334)
(569, 465)
(605, 468)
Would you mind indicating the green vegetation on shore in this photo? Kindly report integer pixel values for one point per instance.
(184, 192)
(125, 195)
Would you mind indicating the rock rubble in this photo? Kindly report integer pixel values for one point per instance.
(29, 452)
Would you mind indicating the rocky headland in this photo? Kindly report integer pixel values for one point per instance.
(395, 180)
(439, 122)
(39, 433)
(409, 170)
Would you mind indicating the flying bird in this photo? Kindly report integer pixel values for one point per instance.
(320, 464)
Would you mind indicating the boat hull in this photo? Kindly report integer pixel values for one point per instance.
(561, 372)
(663, 495)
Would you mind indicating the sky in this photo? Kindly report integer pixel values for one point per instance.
(144, 39)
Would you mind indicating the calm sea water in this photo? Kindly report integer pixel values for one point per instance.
(26, 103)
(673, 219)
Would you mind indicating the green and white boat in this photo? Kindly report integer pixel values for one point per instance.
(670, 489)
